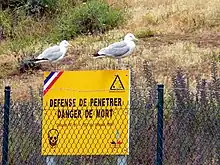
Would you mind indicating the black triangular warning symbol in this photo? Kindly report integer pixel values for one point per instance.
(117, 84)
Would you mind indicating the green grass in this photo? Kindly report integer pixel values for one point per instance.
(26, 33)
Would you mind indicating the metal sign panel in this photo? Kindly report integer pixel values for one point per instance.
(86, 112)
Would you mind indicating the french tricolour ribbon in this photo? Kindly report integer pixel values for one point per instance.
(50, 80)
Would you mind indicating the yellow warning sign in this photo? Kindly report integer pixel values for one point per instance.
(86, 112)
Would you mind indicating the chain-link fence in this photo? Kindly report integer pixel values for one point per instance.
(191, 129)
(192, 126)
(25, 134)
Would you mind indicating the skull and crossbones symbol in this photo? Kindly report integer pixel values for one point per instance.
(53, 137)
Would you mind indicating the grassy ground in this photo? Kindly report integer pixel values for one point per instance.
(173, 34)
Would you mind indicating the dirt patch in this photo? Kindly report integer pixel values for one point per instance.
(202, 40)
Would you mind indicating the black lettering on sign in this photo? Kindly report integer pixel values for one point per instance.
(111, 101)
(105, 102)
(69, 114)
(51, 102)
(82, 102)
(104, 113)
(88, 113)
(63, 102)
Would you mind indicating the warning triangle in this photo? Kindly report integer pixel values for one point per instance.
(117, 84)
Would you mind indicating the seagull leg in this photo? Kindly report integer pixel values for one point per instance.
(51, 65)
(109, 63)
(119, 62)
(56, 67)
(128, 65)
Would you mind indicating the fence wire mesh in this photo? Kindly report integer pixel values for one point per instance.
(191, 134)
(191, 129)
(25, 135)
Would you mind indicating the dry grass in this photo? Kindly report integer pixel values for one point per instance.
(164, 60)
(172, 16)
(192, 52)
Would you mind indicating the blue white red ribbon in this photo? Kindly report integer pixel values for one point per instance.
(50, 80)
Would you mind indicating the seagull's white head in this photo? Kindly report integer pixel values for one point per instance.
(130, 37)
(65, 43)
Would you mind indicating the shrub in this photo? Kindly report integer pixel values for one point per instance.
(31, 7)
(144, 33)
(12, 3)
(94, 16)
(5, 23)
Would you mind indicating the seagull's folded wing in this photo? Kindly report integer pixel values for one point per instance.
(116, 49)
(51, 53)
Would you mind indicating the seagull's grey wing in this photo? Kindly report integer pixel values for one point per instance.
(52, 53)
(118, 44)
(116, 49)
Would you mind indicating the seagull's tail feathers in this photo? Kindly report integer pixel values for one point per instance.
(36, 60)
(96, 55)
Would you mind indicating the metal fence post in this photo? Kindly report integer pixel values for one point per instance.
(5, 126)
(160, 89)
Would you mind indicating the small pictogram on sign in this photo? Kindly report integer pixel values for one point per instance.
(117, 84)
(53, 137)
(117, 141)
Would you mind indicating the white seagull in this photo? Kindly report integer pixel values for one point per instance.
(118, 50)
(54, 53)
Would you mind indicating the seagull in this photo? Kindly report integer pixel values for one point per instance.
(54, 53)
(118, 50)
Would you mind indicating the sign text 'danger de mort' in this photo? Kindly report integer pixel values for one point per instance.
(86, 112)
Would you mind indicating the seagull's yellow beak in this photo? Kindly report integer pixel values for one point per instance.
(135, 39)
